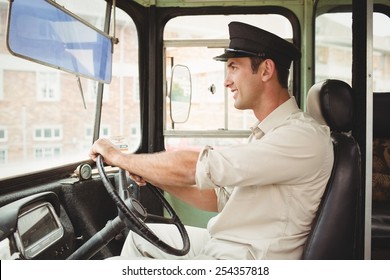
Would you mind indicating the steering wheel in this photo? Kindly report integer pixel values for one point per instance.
(136, 216)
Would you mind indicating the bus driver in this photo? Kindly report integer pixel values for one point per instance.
(267, 191)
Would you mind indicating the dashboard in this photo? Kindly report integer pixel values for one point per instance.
(31, 228)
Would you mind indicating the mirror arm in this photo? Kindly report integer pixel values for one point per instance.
(81, 91)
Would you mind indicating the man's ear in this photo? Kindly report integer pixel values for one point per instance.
(268, 69)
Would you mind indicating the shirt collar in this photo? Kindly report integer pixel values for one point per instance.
(276, 117)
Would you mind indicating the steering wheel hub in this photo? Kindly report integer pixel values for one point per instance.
(137, 208)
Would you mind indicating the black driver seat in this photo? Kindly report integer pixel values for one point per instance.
(333, 233)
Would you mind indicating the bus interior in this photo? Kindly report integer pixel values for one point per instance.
(141, 73)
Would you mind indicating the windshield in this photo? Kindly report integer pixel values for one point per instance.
(193, 41)
(47, 116)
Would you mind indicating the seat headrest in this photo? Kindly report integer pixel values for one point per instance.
(330, 102)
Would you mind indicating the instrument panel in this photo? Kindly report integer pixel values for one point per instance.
(38, 228)
(32, 228)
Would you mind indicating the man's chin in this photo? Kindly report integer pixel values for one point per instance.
(239, 106)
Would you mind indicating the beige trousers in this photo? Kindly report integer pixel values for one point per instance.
(136, 247)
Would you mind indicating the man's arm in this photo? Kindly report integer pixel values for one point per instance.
(173, 172)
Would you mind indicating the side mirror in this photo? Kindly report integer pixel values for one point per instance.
(44, 32)
(180, 94)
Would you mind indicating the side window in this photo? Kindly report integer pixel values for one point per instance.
(212, 119)
(121, 110)
(333, 53)
(381, 54)
(333, 47)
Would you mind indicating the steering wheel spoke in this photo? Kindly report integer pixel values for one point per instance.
(159, 219)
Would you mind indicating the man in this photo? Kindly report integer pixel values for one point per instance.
(266, 191)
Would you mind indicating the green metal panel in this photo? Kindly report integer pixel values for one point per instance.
(189, 215)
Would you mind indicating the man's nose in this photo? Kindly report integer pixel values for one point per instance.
(227, 82)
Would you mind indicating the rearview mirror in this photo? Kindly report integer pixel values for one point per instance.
(180, 94)
(46, 33)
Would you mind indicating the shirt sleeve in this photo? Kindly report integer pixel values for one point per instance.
(288, 154)
(204, 179)
(223, 195)
(203, 176)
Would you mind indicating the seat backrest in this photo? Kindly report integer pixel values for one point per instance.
(334, 231)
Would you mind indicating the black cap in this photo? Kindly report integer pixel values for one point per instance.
(247, 40)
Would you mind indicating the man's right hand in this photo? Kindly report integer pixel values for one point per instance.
(108, 151)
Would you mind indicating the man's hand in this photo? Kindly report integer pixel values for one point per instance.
(138, 180)
(111, 156)
(108, 151)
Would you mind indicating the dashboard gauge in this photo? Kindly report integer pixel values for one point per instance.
(84, 171)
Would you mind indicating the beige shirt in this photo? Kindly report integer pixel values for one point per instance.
(269, 189)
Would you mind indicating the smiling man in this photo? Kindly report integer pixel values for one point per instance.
(266, 191)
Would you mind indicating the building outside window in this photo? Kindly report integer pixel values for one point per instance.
(48, 86)
(47, 133)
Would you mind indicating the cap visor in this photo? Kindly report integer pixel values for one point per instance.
(227, 55)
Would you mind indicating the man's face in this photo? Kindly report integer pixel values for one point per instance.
(245, 85)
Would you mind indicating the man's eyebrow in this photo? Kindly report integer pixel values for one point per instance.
(230, 64)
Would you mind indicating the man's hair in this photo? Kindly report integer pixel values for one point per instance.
(282, 72)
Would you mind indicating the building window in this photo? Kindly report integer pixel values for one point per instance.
(48, 86)
(3, 134)
(92, 88)
(89, 132)
(134, 131)
(47, 152)
(135, 137)
(1, 84)
(105, 132)
(3, 155)
(47, 133)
